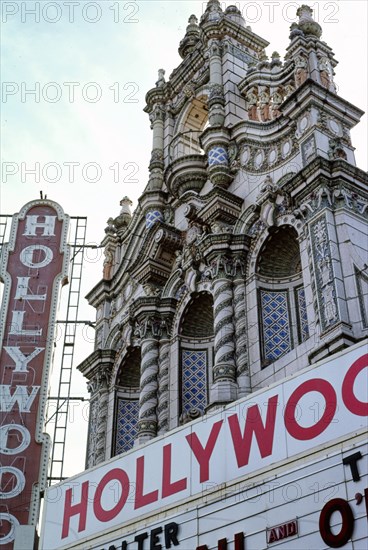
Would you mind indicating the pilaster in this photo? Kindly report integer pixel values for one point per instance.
(330, 292)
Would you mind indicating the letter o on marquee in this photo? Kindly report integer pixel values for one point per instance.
(21, 481)
(4, 434)
(26, 256)
(318, 385)
(13, 524)
(117, 475)
(351, 402)
(340, 539)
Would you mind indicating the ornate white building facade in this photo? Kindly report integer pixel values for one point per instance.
(246, 258)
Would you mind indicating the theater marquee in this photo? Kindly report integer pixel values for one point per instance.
(34, 265)
(325, 403)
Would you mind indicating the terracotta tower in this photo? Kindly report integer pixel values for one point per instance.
(246, 258)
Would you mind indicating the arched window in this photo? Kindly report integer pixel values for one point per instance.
(196, 355)
(127, 402)
(283, 312)
(189, 127)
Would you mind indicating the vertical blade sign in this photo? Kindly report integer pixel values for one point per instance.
(34, 264)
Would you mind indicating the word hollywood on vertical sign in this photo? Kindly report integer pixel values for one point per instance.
(33, 267)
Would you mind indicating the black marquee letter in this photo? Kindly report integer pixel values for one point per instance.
(336, 505)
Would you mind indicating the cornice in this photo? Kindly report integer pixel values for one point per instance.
(310, 92)
(331, 171)
(98, 292)
(266, 132)
(98, 360)
(152, 305)
(226, 27)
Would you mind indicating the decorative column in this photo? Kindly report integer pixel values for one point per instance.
(156, 166)
(216, 100)
(215, 139)
(121, 222)
(163, 379)
(110, 242)
(224, 387)
(148, 399)
(310, 28)
(98, 387)
(241, 352)
(152, 201)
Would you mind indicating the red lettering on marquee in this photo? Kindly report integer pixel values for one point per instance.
(79, 509)
(120, 476)
(168, 487)
(351, 402)
(272, 536)
(259, 430)
(254, 425)
(318, 385)
(140, 498)
(283, 531)
(203, 454)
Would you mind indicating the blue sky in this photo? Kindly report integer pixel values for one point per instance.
(123, 50)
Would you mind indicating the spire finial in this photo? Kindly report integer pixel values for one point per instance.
(161, 78)
(191, 37)
(213, 12)
(306, 22)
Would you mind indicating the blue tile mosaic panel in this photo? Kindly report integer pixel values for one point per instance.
(152, 217)
(302, 310)
(275, 324)
(194, 380)
(126, 424)
(217, 155)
